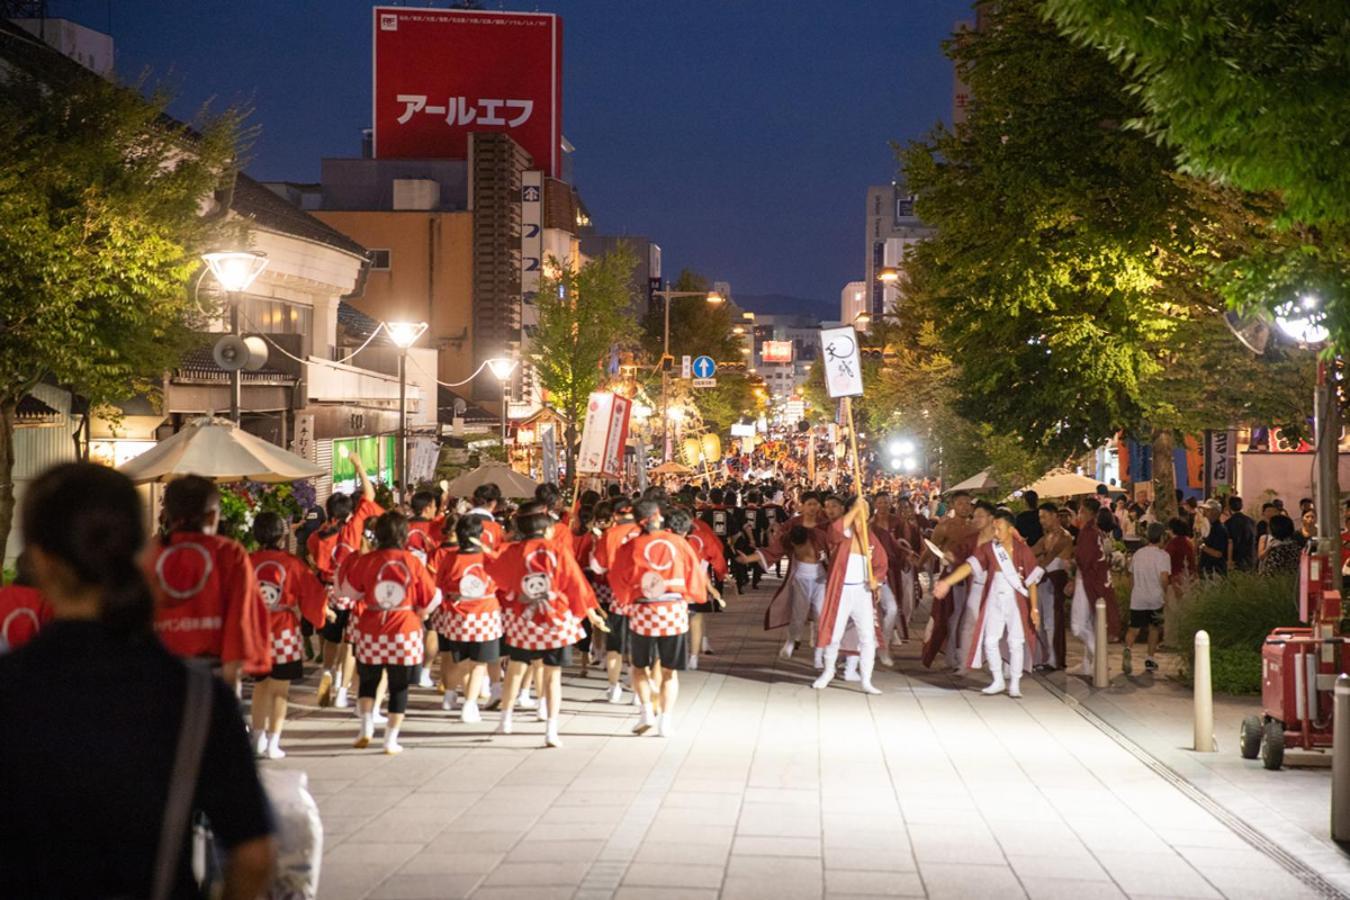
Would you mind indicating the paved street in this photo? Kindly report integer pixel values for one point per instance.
(769, 789)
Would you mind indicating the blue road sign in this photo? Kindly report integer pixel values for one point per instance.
(704, 367)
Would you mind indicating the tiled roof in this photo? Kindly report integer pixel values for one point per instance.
(270, 212)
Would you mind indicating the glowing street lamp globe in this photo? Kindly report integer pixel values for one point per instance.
(235, 270)
(405, 334)
(501, 367)
(1302, 320)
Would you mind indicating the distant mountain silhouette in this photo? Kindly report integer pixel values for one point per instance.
(783, 304)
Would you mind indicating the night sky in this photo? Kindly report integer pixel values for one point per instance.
(741, 136)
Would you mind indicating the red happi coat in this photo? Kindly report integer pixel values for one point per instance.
(469, 609)
(392, 593)
(207, 602)
(493, 538)
(23, 612)
(290, 592)
(329, 550)
(840, 547)
(709, 546)
(657, 576)
(1024, 561)
(779, 611)
(544, 596)
(943, 609)
(895, 557)
(424, 539)
(606, 551)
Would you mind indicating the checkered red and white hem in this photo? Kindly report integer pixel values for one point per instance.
(659, 619)
(541, 634)
(389, 649)
(473, 627)
(604, 594)
(349, 633)
(287, 646)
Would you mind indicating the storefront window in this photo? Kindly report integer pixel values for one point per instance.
(377, 455)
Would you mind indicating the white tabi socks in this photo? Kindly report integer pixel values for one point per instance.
(505, 726)
(851, 669)
(995, 660)
(830, 659)
(1015, 651)
(551, 738)
(867, 658)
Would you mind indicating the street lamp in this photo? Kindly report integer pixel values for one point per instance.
(888, 275)
(404, 335)
(711, 297)
(235, 271)
(502, 368)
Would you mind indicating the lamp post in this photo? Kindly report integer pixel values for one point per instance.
(502, 368)
(235, 271)
(712, 298)
(404, 335)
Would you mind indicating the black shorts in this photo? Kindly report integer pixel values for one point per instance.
(332, 632)
(708, 607)
(477, 651)
(559, 656)
(1142, 618)
(672, 651)
(291, 671)
(617, 639)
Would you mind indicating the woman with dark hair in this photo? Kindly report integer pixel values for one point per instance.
(96, 711)
(291, 593)
(208, 606)
(1284, 549)
(392, 593)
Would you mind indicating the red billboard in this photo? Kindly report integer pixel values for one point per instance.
(776, 351)
(440, 74)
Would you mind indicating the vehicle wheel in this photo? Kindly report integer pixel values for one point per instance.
(1249, 737)
(1272, 745)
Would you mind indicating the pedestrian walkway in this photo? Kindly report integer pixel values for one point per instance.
(769, 789)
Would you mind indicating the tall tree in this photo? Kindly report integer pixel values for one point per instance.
(101, 198)
(1068, 272)
(584, 317)
(697, 327)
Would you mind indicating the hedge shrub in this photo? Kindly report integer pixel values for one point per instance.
(1238, 611)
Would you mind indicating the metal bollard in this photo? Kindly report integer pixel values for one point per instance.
(1101, 652)
(1204, 696)
(1340, 763)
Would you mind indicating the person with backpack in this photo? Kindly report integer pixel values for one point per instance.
(98, 801)
(292, 594)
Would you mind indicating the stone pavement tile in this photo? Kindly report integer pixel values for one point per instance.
(522, 892)
(775, 868)
(1155, 873)
(681, 832)
(742, 888)
(383, 855)
(955, 846)
(691, 853)
(571, 831)
(582, 815)
(918, 814)
(696, 815)
(794, 795)
(1215, 838)
(555, 851)
(341, 880)
(362, 801)
(656, 893)
(1073, 867)
(1251, 882)
(1068, 889)
(673, 875)
(966, 881)
(755, 845)
(464, 841)
(699, 800)
(1042, 840)
(416, 832)
(853, 838)
(770, 825)
(430, 862)
(869, 860)
(875, 883)
(425, 887)
(513, 874)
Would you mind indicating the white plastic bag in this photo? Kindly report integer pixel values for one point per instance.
(299, 834)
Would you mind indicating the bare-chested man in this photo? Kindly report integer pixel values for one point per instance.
(951, 535)
(1054, 553)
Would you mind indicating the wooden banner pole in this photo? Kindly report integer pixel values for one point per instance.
(858, 485)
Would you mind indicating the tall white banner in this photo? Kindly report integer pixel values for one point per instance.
(842, 361)
(594, 433)
(550, 445)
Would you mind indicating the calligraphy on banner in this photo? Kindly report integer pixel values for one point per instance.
(842, 361)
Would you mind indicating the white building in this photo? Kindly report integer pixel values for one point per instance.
(852, 300)
(892, 230)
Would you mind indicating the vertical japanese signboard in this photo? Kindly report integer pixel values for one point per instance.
(549, 444)
(842, 362)
(531, 231)
(440, 74)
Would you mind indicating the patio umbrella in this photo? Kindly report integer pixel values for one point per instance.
(1065, 484)
(980, 481)
(672, 468)
(513, 484)
(220, 450)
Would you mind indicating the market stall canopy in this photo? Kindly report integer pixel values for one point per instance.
(672, 468)
(1066, 484)
(981, 481)
(513, 484)
(220, 450)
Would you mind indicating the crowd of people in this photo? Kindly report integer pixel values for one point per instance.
(485, 602)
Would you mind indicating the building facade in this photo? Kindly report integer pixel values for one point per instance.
(892, 229)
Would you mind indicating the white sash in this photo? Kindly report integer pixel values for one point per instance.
(1009, 571)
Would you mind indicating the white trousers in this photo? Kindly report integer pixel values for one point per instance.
(1081, 620)
(1045, 601)
(855, 605)
(890, 614)
(969, 620)
(907, 585)
(808, 592)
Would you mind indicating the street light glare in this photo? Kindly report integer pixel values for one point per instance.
(1301, 320)
(715, 298)
(405, 334)
(501, 367)
(235, 270)
(888, 275)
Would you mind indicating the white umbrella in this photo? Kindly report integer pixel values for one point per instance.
(980, 481)
(672, 468)
(1064, 484)
(512, 483)
(220, 450)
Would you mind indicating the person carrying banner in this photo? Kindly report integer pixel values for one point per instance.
(849, 597)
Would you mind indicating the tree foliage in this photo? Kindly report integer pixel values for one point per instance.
(1067, 279)
(584, 316)
(101, 226)
(697, 327)
(1253, 94)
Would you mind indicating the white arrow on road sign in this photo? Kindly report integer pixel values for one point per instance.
(704, 367)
